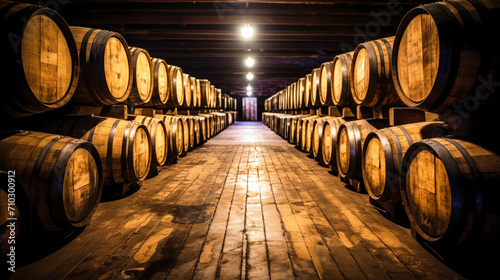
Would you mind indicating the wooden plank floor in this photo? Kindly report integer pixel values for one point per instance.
(245, 205)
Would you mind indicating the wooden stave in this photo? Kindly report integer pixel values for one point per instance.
(135, 97)
(465, 191)
(18, 100)
(92, 88)
(455, 41)
(204, 93)
(380, 91)
(307, 91)
(390, 141)
(317, 138)
(49, 189)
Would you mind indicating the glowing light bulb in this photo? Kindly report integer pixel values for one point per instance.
(249, 62)
(249, 88)
(249, 76)
(247, 31)
(249, 93)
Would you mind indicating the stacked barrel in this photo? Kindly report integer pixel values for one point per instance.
(60, 149)
(438, 171)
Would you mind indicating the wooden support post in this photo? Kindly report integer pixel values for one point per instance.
(333, 111)
(363, 112)
(348, 112)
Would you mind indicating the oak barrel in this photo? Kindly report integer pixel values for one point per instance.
(160, 83)
(325, 83)
(143, 79)
(124, 146)
(61, 176)
(315, 98)
(329, 142)
(40, 66)
(106, 72)
(307, 130)
(450, 193)
(204, 92)
(172, 139)
(351, 137)
(371, 81)
(383, 153)
(176, 88)
(195, 88)
(159, 142)
(440, 51)
(317, 138)
(307, 91)
(341, 85)
(188, 91)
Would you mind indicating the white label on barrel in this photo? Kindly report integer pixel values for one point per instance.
(360, 74)
(48, 58)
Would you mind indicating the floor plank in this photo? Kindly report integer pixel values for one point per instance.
(245, 205)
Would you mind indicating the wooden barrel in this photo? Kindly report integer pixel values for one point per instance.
(383, 153)
(171, 125)
(142, 85)
(159, 142)
(450, 193)
(124, 146)
(203, 128)
(341, 85)
(195, 89)
(329, 142)
(300, 93)
(315, 98)
(159, 96)
(441, 49)
(205, 92)
(182, 136)
(307, 129)
(106, 72)
(317, 138)
(350, 140)
(371, 81)
(197, 132)
(176, 89)
(325, 83)
(188, 92)
(62, 177)
(189, 134)
(40, 68)
(307, 91)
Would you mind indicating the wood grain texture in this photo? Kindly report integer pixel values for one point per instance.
(383, 153)
(341, 85)
(41, 66)
(370, 75)
(37, 157)
(442, 180)
(105, 66)
(432, 70)
(143, 76)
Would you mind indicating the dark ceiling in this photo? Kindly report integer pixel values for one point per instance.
(203, 37)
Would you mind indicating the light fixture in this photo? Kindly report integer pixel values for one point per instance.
(249, 88)
(247, 31)
(249, 62)
(249, 76)
(249, 93)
